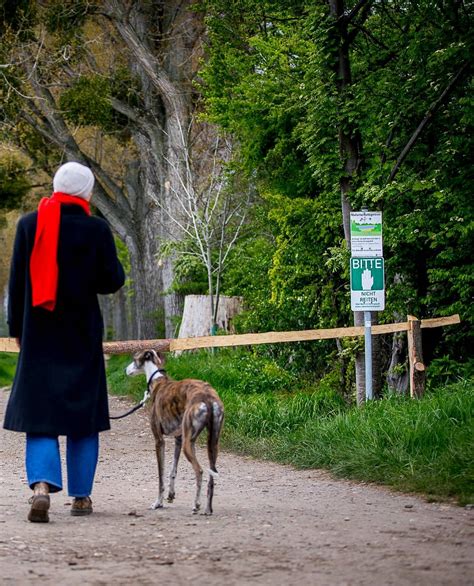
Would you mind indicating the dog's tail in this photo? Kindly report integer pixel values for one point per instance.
(214, 430)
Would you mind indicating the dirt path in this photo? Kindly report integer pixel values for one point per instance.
(272, 525)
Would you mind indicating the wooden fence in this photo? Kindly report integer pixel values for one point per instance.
(412, 326)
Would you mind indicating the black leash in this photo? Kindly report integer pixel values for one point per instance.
(143, 401)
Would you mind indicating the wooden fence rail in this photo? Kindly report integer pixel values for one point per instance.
(170, 345)
(412, 326)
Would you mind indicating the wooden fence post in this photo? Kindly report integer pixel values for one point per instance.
(415, 357)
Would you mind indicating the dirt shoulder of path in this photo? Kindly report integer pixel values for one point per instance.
(271, 525)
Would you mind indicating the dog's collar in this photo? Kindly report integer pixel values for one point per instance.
(146, 396)
(153, 374)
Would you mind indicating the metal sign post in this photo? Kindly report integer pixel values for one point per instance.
(367, 278)
(368, 355)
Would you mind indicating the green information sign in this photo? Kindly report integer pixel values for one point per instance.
(367, 284)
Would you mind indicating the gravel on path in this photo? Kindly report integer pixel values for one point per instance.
(272, 524)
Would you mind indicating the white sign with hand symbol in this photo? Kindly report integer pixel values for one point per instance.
(367, 280)
(367, 284)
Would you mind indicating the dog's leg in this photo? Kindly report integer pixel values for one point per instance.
(189, 449)
(174, 470)
(160, 458)
(192, 426)
(213, 432)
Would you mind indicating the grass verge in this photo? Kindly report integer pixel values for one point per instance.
(421, 446)
(7, 368)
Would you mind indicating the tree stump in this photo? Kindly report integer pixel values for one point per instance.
(197, 315)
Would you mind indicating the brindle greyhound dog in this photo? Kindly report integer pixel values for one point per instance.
(181, 409)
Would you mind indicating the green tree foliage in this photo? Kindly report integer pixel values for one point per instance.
(88, 101)
(64, 17)
(252, 82)
(271, 81)
(14, 183)
(15, 14)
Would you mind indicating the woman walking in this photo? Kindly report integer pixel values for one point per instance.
(62, 258)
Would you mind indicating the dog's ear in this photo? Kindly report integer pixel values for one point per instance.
(148, 356)
(161, 358)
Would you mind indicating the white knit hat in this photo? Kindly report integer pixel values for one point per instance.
(74, 179)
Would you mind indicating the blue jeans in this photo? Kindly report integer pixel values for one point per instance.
(43, 462)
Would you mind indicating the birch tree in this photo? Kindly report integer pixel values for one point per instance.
(211, 214)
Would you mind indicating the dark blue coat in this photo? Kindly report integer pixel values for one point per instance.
(60, 385)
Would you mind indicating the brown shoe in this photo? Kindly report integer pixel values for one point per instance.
(40, 504)
(81, 506)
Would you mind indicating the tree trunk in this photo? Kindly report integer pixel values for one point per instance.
(397, 376)
(142, 240)
(127, 209)
(121, 316)
(162, 47)
(350, 146)
(104, 304)
(146, 286)
(176, 175)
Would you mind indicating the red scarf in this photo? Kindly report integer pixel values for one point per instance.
(44, 258)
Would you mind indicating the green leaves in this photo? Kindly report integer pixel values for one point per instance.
(252, 80)
(271, 79)
(87, 102)
(66, 17)
(14, 183)
(16, 15)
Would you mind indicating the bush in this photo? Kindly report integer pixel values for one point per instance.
(445, 370)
